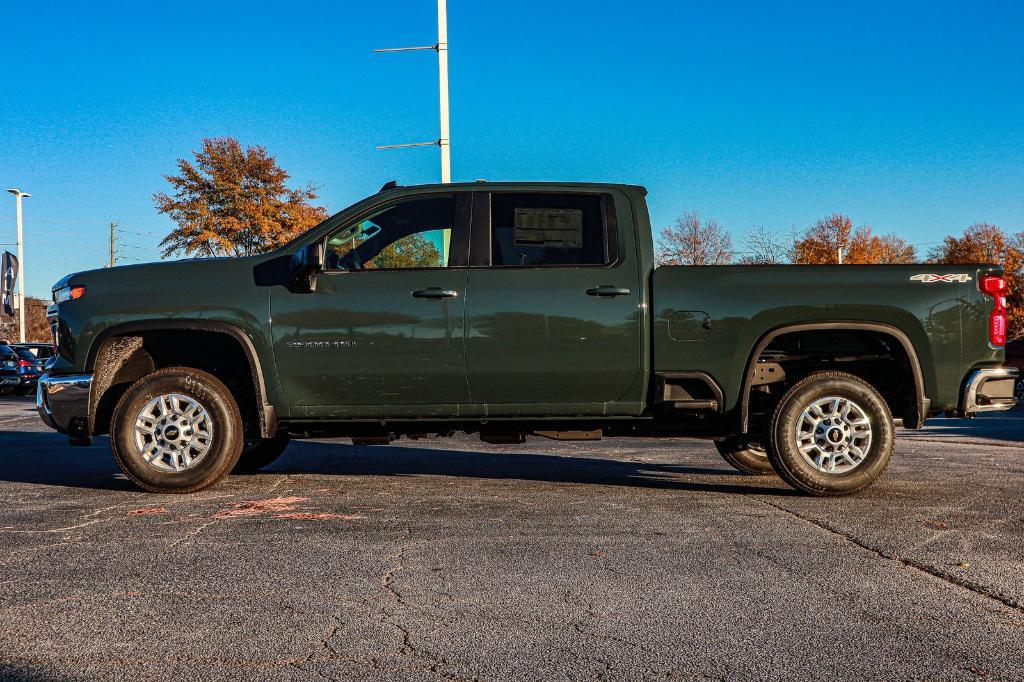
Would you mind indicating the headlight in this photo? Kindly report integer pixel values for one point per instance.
(68, 293)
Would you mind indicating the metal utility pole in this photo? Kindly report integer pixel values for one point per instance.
(18, 196)
(444, 141)
(113, 242)
(442, 80)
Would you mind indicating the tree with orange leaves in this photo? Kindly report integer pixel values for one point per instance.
(892, 250)
(820, 244)
(986, 243)
(234, 202)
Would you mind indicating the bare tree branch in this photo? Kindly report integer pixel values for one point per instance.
(691, 241)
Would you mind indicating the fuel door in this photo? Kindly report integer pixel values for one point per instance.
(689, 325)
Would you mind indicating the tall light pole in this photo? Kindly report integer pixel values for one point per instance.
(18, 196)
(442, 81)
(444, 141)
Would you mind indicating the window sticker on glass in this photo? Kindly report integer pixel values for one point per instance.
(557, 228)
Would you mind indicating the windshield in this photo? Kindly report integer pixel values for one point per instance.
(40, 351)
(302, 235)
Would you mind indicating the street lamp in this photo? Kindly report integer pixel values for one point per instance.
(442, 81)
(18, 196)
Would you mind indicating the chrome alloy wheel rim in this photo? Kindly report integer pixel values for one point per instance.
(173, 432)
(833, 435)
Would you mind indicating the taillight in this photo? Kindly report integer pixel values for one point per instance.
(996, 288)
(26, 363)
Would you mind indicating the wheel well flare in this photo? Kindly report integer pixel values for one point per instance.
(123, 359)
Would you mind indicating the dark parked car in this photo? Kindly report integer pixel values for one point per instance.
(30, 368)
(10, 377)
(43, 351)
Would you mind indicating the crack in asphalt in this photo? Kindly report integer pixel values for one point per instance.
(946, 577)
(395, 600)
(208, 660)
(577, 626)
(976, 443)
(91, 515)
(278, 483)
(435, 663)
(191, 535)
(12, 529)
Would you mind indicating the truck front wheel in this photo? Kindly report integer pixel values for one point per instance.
(176, 430)
(831, 434)
(748, 456)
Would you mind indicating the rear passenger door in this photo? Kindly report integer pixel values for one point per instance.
(553, 309)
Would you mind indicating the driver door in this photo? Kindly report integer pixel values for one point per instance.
(383, 333)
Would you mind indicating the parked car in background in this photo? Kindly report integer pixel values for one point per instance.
(1015, 358)
(30, 368)
(43, 351)
(10, 378)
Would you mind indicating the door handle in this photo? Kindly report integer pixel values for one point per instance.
(608, 291)
(435, 293)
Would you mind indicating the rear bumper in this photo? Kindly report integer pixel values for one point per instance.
(989, 390)
(63, 402)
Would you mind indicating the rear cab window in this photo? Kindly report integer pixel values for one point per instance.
(551, 229)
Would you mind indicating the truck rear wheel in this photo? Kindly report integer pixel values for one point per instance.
(259, 454)
(831, 434)
(176, 430)
(748, 456)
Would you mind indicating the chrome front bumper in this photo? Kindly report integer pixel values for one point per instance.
(989, 390)
(63, 402)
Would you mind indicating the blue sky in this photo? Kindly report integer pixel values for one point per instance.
(908, 116)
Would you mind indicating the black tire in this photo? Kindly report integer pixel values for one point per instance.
(260, 454)
(225, 444)
(785, 456)
(746, 455)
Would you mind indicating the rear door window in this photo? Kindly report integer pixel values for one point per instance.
(548, 229)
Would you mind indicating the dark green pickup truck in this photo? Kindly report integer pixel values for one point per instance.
(508, 310)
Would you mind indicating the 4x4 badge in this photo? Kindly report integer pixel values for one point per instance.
(929, 278)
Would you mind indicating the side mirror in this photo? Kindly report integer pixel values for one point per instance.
(307, 263)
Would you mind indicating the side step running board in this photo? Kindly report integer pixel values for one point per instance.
(695, 405)
(594, 434)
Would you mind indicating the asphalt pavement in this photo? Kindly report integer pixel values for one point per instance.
(457, 560)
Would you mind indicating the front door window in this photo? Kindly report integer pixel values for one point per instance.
(414, 234)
